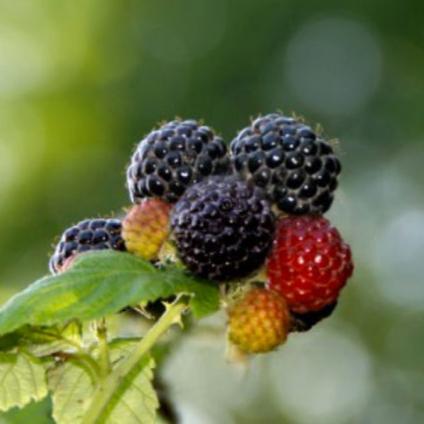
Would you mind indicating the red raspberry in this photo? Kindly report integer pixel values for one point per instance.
(309, 263)
(259, 321)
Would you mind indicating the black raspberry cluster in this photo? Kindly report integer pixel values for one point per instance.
(249, 218)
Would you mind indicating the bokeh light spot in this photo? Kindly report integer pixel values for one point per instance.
(398, 258)
(323, 377)
(333, 65)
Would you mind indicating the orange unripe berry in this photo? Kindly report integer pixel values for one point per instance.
(259, 321)
(146, 228)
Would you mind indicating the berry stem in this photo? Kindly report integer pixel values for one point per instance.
(110, 385)
(104, 359)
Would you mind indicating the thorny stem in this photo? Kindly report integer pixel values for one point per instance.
(109, 386)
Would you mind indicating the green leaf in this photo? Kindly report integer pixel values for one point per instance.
(22, 380)
(72, 388)
(71, 385)
(60, 338)
(10, 342)
(44, 341)
(102, 283)
(136, 401)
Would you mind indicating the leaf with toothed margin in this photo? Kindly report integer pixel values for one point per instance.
(99, 284)
(72, 386)
(22, 380)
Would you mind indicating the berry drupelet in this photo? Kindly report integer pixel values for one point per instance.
(145, 228)
(294, 165)
(309, 263)
(259, 321)
(223, 228)
(90, 234)
(173, 157)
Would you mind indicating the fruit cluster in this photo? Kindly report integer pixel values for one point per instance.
(249, 219)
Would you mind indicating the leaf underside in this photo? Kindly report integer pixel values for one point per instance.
(22, 380)
(134, 402)
(71, 386)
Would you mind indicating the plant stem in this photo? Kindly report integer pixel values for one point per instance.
(108, 386)
(79, 354)
(91, 365)
(104, 360)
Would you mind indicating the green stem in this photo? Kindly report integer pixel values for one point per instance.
(104, 360)
(92, 366)
(80, 354)
(108, 387)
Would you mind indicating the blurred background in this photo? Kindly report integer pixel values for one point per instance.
(81, 82)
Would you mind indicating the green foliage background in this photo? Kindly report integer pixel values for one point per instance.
(81, 82)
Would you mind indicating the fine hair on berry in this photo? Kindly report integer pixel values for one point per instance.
(295, 166)
(223, 228)
(173, 157)
(90, 234)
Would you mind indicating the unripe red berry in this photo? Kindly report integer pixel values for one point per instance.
(309, 263)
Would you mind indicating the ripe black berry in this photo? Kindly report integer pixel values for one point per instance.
(170, 159)
(223, 228)
(295, 166)
(304, 322)
(91, 234)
